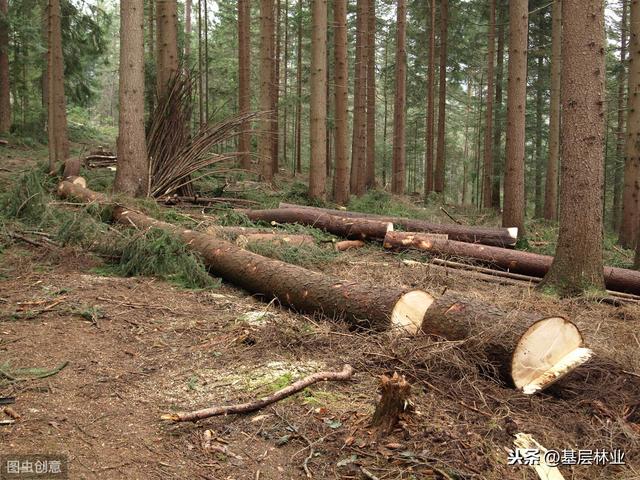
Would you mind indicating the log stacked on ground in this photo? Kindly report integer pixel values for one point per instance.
(244, 235)
(516, 261)
(532, 353)
(350, 228)
(501, 237)
(363, 305)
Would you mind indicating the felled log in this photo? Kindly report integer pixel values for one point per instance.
(501, 237)
(345, 374)
(410, 239)
(349, 245)
(244, 235)
(350, 228)
(529, 352)
(207, 201)
(532, 353)
(100, 160)
(515, 261)
(362, 305)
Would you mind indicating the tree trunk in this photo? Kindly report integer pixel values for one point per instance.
(631, 192)
(359, 138)
(352, 228)
(285, 91)
(465, 150)
(200, 68)
(341, 183)
(167, 28)
(206, 61)
(5, 97)
(551, 187)
(487, 185)
(187, 33)
(577, 265)
(371, 96)
(516, 261)
(438, 181)
(318, 104)
(522, 349)
(428, 156)
(501, 237)
(57, 128)
(298, 131)
(393, 401)
(132, 175)
(244, 80)
(398, 174)
(619, 160)
(540, 91)
(497, 114)
(275, 91)
(513, 210)
(385, 122)
(266, 67)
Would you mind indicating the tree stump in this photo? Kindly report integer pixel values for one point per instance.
(393, 402)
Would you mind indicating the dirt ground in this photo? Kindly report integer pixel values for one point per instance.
(138, 348)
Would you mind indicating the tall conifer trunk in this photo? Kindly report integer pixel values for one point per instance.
(244, 80)
(371, 95)
(551, 186)
(429, 140)
(167, 28)
(341, 179)
(438, 181)
(487, 184)
(398, 174)
(359, 137)
(132, 173)
(5, 102)
(265, 144)
(513, 211)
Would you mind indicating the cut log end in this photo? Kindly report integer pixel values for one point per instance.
(408, 313)
(547, 351)
(513, 233)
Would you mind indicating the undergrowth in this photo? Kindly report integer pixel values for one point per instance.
(30, 205)
(308, 256)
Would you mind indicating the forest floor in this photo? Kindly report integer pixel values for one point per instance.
(136, 348)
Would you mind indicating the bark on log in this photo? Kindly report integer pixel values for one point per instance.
(345, 374)
(501, 237)
(532, 355)
(362, 305)
(71, 168)
(351, 228)
(516, 261)
(529, 352)
(282, 239)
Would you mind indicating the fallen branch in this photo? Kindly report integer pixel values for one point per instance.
(345, 374)
(349, 245)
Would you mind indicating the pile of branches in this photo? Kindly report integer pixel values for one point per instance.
(174, 155)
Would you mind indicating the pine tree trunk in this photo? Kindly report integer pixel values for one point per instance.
(132, 173)
(465, 151)
(285, 109)
(359, 137)
(577, 265)
(244, 80)
(438, 181)
(487, 185)
(187, 33)
(58, 139)
(275, 91)
(631, 192)
(513, 210)
(200, 68)
(385, 94)
(371, 95)
(266, 68)
(341, 72)
(298, 131)
(539, 104)
(318, 104)
(167, 27)
(619, 161)
(429, 140)
(398, 173)
(206, 61)
(497, 114)
(551, 187)
(5, 101)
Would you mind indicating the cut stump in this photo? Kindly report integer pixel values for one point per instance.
(394, 398)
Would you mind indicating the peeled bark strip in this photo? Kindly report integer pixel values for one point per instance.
(516, 261)
(345, 374)
(529, 352)
(395, 393)
(352, 228)
(501, 237)
(362, 305)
